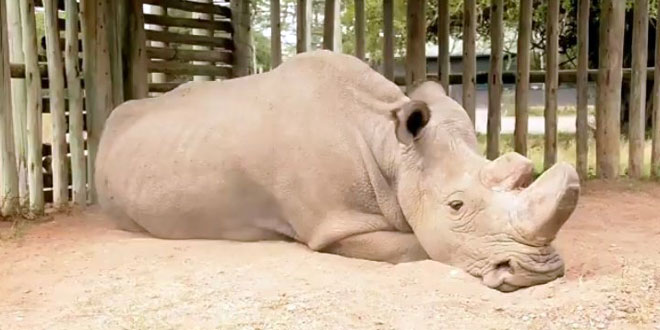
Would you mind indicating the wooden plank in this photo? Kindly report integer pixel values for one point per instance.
(655, 131)
(416, 42)
(360, 26)
(388, 39)
(608, 101)
(637, 122)
(113, 26)
(188, 23)
(162, 87)
(9, 202)
(19, 98)
(56, 101)
(136, 86)
(329, 25)
(196, 7)
(522, 78)
(443, 43)
(73, 76)
(172, 37)
(34, 106)
(189, 69)
(582, 129)
(551, 84)
(243, 42)
(189, 55)
(303, 26)
(202, 32)
(275, 34)
(469, 57)
(495, 81)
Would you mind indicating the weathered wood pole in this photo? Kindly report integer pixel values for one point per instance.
(637, 121)
(551, 84)
(9, 176)
(19, 101)
(98, 79)
(469, 57)
(113, 27)
(416, 41)
(206, 32)
(581, 128)
(443, 43)
(522, 78)
(655, 149)
(495, 81)
(303, 26)
(360, 26)
(275, 34)
(388, 39)
(243, 42)
(329, 25)
(56, 87)
(135, 54)
(73, 76)
(608, 108)
(34, 106)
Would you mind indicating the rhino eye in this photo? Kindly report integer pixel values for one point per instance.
(456, 205)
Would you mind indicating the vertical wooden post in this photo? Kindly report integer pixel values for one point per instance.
(329, 25)
(114, 52)
(98, 79)
(56, 87)
(136, 75)
(360, 23)
(303, 26)
(337, 35)
(443, 44)
(581, 128)
(73, 75)
(275, 34)
(243, 45)
(159, 77)
(638, 89)
(416, 52)
(9, 176)
(34, 106)
(469, 57)
(522, 78)
(608, 108)
(495, 80)
(19, 101)
(388, 42)
(551, 84)
(655, 134)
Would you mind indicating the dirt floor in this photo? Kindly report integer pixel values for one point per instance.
(77, 272)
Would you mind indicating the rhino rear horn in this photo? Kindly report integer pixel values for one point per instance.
(410, 120)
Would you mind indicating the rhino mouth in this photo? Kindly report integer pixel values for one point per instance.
(517, 272)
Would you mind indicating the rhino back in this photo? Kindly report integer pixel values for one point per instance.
(234, 159)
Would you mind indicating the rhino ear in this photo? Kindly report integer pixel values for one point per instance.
(410, 120)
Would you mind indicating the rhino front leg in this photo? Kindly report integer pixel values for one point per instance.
(388, 246)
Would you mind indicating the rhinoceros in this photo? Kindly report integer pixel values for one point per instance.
(325, 151)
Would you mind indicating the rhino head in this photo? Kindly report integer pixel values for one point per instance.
(486, 217)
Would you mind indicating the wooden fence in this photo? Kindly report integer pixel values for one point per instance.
(93, 55)
(609, 74)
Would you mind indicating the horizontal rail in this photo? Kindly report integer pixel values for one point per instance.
(189, 69)
(189, 55)
(162, 87)
(192, 6)
(170, 37)
(188, 23)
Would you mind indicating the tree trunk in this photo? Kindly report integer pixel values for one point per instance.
(636, 125)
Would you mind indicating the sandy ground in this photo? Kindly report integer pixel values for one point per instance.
(77, 272)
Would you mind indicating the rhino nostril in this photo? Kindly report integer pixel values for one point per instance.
(504, 266)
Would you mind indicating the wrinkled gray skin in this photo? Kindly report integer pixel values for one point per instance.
(325, 151)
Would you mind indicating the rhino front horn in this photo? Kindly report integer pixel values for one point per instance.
(547, 204)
